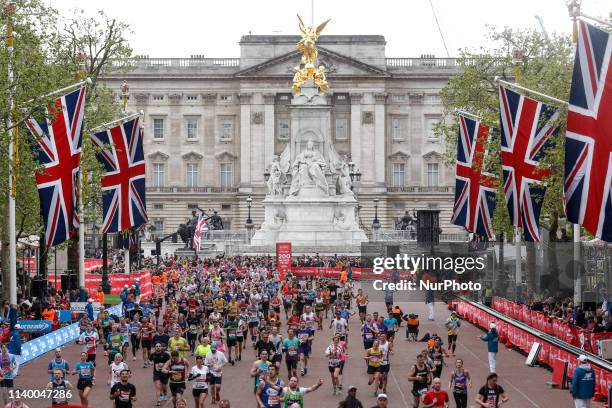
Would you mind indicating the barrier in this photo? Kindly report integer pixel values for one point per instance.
(118, 281)
(35, 348)
(522, 339)
(571, 334)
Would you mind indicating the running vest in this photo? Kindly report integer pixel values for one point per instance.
(178, 372)
(420, 372)
(292, 397)
(460, 382)
(377, 355)
(59, 396)
(270, 397)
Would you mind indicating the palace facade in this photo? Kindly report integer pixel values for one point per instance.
(213, 125)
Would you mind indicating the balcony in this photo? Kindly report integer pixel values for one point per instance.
(213, 190)
(175, 62)
(421, 189)
(429, 62)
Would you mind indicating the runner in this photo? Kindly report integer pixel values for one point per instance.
(420, 376)
(292, 394)
(291, 347)
(58, 363)
(178, 344)
(305, 334)
(374, 357)
(123, 392)
(436, 397)
(277, 340)
(89, 339)
(215, 361)
(491, 395)
(231, 333)
(460, 381)
(176, 368)
(115, 368)
(362, 305)
(385, 365)
(198, 375)
(87, 375)
(340, 327)
(452, 324)
(319, 307)
(146, 334)
(260, 369)
(114, 343)
(158, 358)
(437, 354)
(336, 354)
(60, 389)
(268, 391)
(367, 332)
(135, 329)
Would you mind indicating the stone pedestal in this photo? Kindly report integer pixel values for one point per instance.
(313, 221)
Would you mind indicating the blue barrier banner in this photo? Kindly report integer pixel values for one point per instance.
(34, 326)
(41, 345)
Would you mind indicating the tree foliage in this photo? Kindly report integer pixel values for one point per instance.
(44, 60)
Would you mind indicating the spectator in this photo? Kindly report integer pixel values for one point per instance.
(583, 383)
(351, 400)
(492, 339)
(14, 346)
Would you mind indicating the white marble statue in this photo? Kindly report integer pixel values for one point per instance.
(308, 169)
(277, 178)
(344, 183)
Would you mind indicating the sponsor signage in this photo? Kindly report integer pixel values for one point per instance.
(35, 326)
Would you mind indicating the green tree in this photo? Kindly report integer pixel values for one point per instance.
(45, 60)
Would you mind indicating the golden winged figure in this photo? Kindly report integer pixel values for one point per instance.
(308, 47)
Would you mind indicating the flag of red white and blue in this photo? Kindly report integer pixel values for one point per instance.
(588, 142)
(527, 126)
(122, 155)
(475, 188)
(57, 147)
(200, 230)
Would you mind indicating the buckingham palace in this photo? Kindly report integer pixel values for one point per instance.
(212, 125)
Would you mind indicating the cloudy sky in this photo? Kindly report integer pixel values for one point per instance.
(181, 28)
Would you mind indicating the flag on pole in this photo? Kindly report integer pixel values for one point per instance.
(127, 240)
(588, 143)
(200, 230)
(57, 148)
(526, 128)
(475, 188)
(122, 155)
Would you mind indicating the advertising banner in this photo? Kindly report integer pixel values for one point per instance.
(35, 326)
(283, 258)
(79, 307)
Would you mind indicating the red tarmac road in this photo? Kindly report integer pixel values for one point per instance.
(526, 386)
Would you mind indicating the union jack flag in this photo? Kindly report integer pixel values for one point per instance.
(588, 142)
(58, 149)
(122, 155)
(200, 230)
(475, 188)
(526, 128)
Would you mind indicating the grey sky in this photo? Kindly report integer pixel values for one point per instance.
(181, 28)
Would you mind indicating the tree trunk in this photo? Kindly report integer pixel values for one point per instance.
(5, 254)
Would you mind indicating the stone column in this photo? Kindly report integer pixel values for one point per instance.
(356, 130)
(379, 138)
(245, 141)
(269, 128)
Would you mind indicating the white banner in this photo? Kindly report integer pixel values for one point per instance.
(79, 307)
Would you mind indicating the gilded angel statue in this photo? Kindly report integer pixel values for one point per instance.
(307, 45)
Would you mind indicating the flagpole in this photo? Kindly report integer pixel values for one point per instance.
(517, 86)
(120, 120)
(583, 16)
(11, 8)
(80, 57)
(577, 275)
(518, 276)
(468, 114)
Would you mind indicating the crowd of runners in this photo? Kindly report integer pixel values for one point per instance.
(206, 316)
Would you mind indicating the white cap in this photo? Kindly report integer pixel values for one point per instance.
(582, 358)
(492, 326)
(90, 300)
(382, 396)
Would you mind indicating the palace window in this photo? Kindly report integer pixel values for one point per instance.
(158, 174)
(192, 175)
(284, 129)
(227, 129)
(226, 175)
(158, 128)
(399, 175)
(433, 175)
(192, 128)
(341, 128)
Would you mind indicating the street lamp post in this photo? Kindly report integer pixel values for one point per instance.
(376, 222)
(249, 221)
(10, 8)
(354, 173)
